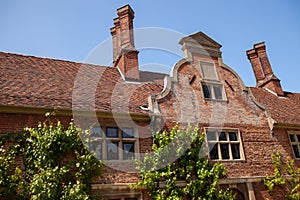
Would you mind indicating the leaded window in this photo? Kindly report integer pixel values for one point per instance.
(224, 144)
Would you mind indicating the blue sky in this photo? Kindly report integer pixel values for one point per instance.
(71, 29)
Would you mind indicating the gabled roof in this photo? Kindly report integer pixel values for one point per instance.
(285, 110)
(29, 81)
(200, 44)
(202, 39)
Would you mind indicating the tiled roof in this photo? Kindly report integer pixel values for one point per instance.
(49, 83)
(284, 110)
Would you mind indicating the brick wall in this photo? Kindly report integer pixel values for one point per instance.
(185, 103)
(10, 123)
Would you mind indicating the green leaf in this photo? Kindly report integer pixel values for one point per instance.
(198, 177)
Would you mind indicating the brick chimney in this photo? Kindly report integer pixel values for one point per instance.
(262, 69)
(125, 56)
(253, 57)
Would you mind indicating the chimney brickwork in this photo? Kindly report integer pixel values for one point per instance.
(260, 48)
(125, 56)
(262, 69)
(254, 60)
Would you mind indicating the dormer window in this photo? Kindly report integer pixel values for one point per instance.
(211, 86)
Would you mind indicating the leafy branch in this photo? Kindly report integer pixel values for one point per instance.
(177, 169)
(46, 162)
(291, 185)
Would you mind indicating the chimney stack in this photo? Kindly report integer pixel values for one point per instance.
(253, 57)
(260, 49)
(263, 72)
(125, 56)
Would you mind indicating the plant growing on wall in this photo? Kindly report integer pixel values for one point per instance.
(290, 184)
(47, 162)
(177, 169)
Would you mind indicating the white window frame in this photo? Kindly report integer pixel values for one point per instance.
(296, 142)
(104, 141)
(211, 85)
(218, 142)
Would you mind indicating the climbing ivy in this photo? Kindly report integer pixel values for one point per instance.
(177, 169)
(291, 186)
(46, 162)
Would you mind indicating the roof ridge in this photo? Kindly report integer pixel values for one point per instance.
(52, 59)
(71, 62)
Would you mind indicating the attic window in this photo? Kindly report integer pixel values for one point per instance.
(212, 87)
(208, 71)
(213, 91)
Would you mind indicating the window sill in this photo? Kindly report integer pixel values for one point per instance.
(236, 160)
(216, 100)
(116, 161)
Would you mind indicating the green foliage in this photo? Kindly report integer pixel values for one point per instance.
(277, 179)
(178, 166)
(47, 162)
(290, 185)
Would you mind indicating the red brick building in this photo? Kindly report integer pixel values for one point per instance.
(243, 125)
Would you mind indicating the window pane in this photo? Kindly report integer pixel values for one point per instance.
(111, 132)
(224, 151)
(112, 151)
(128, 150)
(95, 147)
(127, 133)
(206, 91)
(96, 131)
(298, 138)
(211, 136)
(218, 91)
(292, 138)
(235, 148)
(233, 136)
(296, 151)
(208, 71)
(222, 136)
(213, 151)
